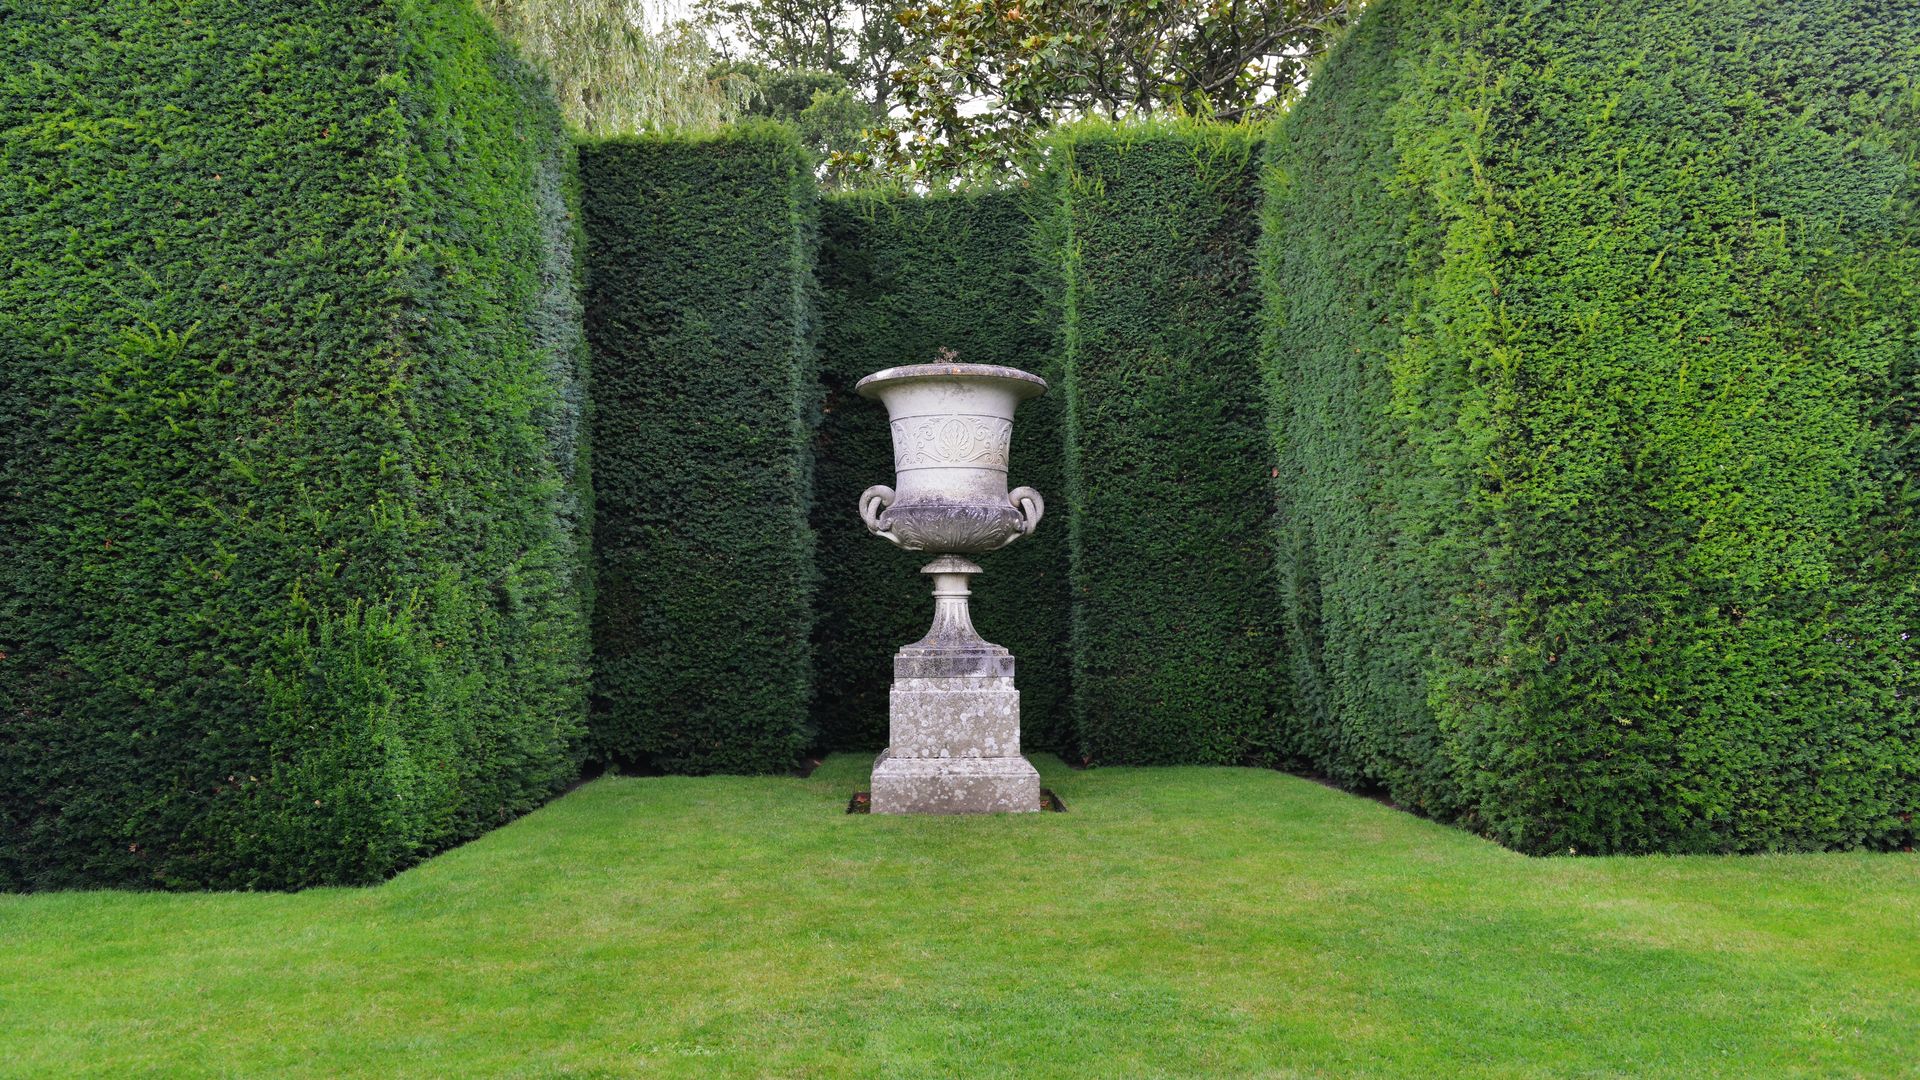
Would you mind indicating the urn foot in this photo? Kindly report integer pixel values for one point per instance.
(976, 785)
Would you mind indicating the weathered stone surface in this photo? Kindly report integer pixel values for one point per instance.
(951, 647)
(952, 433)
(992, 662)
(920, 785)
(954, 718)
(955, 715)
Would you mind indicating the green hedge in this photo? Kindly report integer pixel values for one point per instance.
(1594, 353)
(902, 278)
(1176, 650)
(700, 254)
(290, 489)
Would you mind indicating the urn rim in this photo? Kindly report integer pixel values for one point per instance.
(1025, 383)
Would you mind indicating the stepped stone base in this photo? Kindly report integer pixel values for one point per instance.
(962, 785)
(954, 737)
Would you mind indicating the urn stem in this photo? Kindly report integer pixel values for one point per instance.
(952, 620)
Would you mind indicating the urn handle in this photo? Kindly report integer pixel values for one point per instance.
(873, 502)
(1030, 505)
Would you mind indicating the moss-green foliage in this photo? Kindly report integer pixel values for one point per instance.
(1176, 652)
(289, 467)
(1593, 367)
(700, 255)
(903, 278)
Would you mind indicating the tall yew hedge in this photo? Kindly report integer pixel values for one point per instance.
(290, 486)
(1150, 233)
(1594, 338)
(902, 278)
(1566, 488)
(699, 312)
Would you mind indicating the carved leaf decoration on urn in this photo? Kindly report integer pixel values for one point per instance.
(965, 529)
(952, 440)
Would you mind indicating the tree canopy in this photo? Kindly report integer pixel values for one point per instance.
(992, 74)
(927, 91)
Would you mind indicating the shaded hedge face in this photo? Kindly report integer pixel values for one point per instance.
(1176, 649)
(289, 459)
(1593, 369)
(700, 271)
(903, 278)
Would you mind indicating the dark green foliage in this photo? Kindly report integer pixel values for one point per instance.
(903, 278)
(1176, 652)
(1594, 356)
(700, 255)
(290, 494)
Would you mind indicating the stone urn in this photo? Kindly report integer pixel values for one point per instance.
(953, 714)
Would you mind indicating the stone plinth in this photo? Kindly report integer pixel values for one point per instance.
(954, 717)
(995, 785)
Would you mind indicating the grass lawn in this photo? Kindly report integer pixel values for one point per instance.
(1175, 922)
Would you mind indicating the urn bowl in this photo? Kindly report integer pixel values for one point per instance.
(952, 432)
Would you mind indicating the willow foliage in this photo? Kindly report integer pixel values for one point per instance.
(612, 73)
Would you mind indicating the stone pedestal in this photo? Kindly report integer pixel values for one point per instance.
(1000, 785)
(954, 717)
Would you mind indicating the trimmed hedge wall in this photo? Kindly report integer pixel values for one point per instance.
(1590, 365)
(290, 481)
(1594, 354)
(1176, 647)
(699, 314)
(903, 277)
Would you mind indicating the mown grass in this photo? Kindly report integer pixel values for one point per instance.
(1175, 922)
